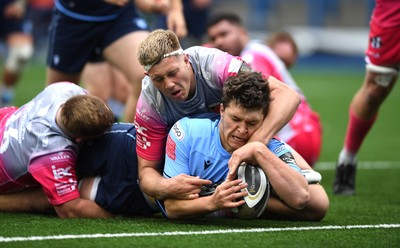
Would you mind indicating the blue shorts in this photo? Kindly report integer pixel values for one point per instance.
(112, 156)
(12, 25)
(74, 42)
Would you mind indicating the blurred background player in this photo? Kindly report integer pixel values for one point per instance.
(107, 81)
(304, 131)
(83, 31)
(15, 31)
(382, 68)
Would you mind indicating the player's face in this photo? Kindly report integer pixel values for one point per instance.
(173, 76)
(237, 125)
(227, 37)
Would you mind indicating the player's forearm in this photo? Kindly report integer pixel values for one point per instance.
(82, 208)
(186, 209)
(153, 184)
(289, 184)
(283, 106)
(30, 200)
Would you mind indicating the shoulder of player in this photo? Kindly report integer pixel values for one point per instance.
(199, 54)
(192, 127)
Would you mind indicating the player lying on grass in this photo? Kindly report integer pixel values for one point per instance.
(39, 145)
(109, 164)
(194, 142)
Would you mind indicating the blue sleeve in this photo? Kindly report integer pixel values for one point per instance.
(177, 150)
(283, 151)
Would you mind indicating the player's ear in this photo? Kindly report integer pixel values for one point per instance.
(221, 110)
(186, 58)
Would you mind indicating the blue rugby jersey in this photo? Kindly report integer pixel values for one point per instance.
(194, 148)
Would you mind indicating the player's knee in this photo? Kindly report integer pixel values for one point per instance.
(318, 214)
(375, 94)
(18, 56)
(383, 76)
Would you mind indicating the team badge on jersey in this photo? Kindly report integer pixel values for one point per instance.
(178, 131)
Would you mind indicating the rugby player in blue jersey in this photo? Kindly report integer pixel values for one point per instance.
(194, 142)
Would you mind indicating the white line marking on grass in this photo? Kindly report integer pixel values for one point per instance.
(227, 231)
(363, 165)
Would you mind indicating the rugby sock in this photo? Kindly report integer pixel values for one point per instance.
(357, 130)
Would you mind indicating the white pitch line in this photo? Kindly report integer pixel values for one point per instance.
(227, 231)
(363, 165)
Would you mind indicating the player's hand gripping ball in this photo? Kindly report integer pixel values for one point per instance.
(258, 190)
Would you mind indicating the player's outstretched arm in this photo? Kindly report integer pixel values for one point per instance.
(283, 106)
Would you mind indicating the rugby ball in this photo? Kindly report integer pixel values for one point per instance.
(258, 190)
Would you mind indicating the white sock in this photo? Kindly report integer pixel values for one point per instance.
(347, 158)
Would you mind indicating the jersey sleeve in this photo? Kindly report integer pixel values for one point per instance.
(151, 131)
(177, 151)
(283, 151)
(57, 175)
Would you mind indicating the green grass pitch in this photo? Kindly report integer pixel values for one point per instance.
(371, 218)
